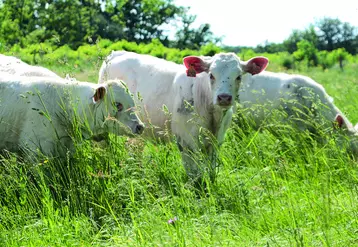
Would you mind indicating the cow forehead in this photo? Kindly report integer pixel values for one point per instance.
(122, 95)
(226, 65)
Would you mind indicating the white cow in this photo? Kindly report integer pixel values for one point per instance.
(302, 100)
(15, 66)
(39, 112)
(160, 82)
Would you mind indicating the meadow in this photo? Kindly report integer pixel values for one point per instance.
(270, 190)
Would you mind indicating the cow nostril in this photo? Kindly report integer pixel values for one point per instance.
(139, 129)
(224, 97)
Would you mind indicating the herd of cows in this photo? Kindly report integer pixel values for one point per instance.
(40, 111)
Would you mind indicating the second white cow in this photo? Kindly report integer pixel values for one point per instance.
(210, 95)
(302, 100)
(15, 66)
(38, 113)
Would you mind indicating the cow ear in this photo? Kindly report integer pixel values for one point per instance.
(99, 94)
(255, 65)
(196, 65)
(339, 121)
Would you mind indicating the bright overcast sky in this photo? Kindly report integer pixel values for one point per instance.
(251, 22)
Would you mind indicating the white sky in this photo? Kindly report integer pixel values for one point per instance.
(252, 22)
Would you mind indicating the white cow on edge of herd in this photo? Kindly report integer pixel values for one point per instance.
(211, 94)
(38, 112)
(15, 66)
(301, 98)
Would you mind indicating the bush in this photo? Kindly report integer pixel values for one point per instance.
(49, 54)
(306, 52)
(210, 49)
(288, 63)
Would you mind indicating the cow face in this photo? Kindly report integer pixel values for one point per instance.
(350, 134)
(225, 71)
(120, 108)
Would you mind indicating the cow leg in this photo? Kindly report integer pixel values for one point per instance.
(199, 164)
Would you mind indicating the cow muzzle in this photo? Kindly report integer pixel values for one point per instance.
(139, 129)
(224, 99)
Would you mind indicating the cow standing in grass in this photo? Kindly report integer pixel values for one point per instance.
(43, 113)
(303, 101)
(194, 100)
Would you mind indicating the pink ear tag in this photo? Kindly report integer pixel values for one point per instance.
(191, 71)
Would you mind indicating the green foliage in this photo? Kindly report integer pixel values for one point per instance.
(308, 35)
(324, 59)
(75, 23)
(190, 38)
(326, 34)
(209, 50)
(75, 61)
(288, 62)
(334, 34)
(339, 55)
(270, 47)
(306, 51)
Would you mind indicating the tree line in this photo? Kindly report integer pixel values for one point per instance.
(327, 34)
(76, 22)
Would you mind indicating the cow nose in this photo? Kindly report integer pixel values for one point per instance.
(139, 129)
(224, 99)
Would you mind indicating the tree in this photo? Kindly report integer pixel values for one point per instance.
(306, 51)
(270, 47)
(334, 34)
(190, 38)
(348, 38)
(329, 33)
(142, 18)
(291, 42)
(17, 19)
(308, 34)
(74, 22)
(339, 55)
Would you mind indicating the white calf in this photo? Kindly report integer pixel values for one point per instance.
(160, 82)
(301, 98)
(15, 66)
(38, 112)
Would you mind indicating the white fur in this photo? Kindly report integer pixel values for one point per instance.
(160, 82)
(260, 94)
(35, 112)
(15, 66)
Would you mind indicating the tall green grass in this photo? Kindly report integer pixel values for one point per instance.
(271, 190)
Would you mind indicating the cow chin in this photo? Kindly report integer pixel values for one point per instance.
(223, 105)
(112, 125)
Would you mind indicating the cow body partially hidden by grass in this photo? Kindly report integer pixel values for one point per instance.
(41, 113)
(204, 88)
(303, 102)
(15, 66)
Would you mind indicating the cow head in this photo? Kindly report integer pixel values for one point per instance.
(225, 71)
(350, 133)
(119, 112)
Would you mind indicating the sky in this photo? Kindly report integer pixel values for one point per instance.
(252, 22)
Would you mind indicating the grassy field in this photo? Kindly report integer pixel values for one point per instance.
(284, 190)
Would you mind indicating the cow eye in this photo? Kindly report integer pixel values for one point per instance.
(212, 77)
(238, 78)
(119, 106)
